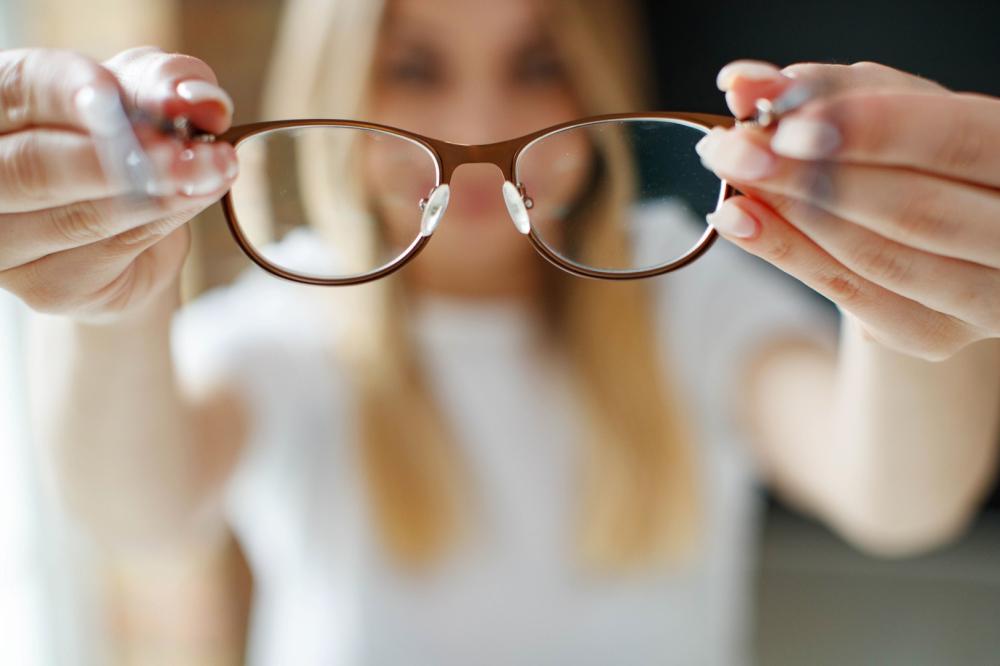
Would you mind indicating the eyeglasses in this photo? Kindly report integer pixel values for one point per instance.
(343, 202)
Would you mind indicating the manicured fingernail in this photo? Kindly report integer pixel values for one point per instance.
(732, 221)
(805, 138)
(736, 157)
(101, 109)
(226, 157)
(748, 69)
(202, 175)
(196, 92)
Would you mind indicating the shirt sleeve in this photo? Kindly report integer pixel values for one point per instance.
(259, 335)
(723, 308)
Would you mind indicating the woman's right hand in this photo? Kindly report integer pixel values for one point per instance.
(71, 241)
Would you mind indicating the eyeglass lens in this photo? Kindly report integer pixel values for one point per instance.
(340, 202)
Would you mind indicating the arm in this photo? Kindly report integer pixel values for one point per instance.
(140, 461)
(883, 197)
(135, 458)
(892, 451)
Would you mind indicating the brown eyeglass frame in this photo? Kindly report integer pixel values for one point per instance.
(449, 156)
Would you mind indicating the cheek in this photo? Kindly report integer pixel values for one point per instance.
(554, 172)
(397, 175)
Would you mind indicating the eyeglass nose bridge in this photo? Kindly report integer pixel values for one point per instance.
(503, 155)
(454, 155)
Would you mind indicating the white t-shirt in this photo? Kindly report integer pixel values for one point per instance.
(326, 594)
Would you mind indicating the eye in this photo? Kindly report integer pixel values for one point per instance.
(411, 71)
(539, 68)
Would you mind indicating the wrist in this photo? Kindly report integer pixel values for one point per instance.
(155, 312)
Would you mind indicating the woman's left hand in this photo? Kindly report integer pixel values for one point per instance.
(883, 196)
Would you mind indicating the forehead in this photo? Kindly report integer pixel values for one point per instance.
(482, 24)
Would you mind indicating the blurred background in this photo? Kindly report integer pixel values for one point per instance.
(818, 601)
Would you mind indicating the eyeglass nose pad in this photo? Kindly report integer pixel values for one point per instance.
(434, 207)
(516, 207)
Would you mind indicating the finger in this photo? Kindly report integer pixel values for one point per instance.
(173, 84)
(106, 276)
(965, 290)
(890, 318)
(40, 87)
(47, 168)
(936, 215)
(26, 237)
(746, 81)
(956, 136)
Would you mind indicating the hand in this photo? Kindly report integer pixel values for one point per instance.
(71, 240)
(883, 195)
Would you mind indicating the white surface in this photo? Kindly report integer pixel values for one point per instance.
(324, 595)
(22, 580)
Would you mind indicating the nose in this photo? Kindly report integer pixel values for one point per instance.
(475, 195)
(476, 114)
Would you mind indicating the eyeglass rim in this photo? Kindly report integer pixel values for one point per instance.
(448, 156)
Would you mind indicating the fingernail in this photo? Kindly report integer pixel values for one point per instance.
(202, 175)
(805, 138)
(748, 69)
(735, 156)
(232, 169)
(225, 157)
(196, 92)
(732, 221)
(732, 103)
(101, 109)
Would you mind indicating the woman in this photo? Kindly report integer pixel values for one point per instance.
(632, 547)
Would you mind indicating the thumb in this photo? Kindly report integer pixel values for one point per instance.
(173, 84)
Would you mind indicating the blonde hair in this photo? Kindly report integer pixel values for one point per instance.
(639, 490)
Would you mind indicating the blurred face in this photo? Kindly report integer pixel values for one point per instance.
(466, 71)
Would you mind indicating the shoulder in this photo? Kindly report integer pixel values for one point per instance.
(727, 312)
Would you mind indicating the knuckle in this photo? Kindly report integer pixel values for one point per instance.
(841, 287)
(117, 294)
(880, 262)
(808, 68)
(80, 223)
(944, 338)
(921, 215)
(777, 251)
(132, 54)
(180, 65)
(869, 66)
(42, 294)
(74, 68)
(143, 234)
(875, 124)
(14, 95)
(21, 166)
(962, 145)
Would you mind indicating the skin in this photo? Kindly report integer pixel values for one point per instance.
(895, 223)
(435, 77)
(887, 437)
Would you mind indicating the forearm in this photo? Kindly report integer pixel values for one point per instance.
(890, 450)
(118, 433)
(912, 442)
